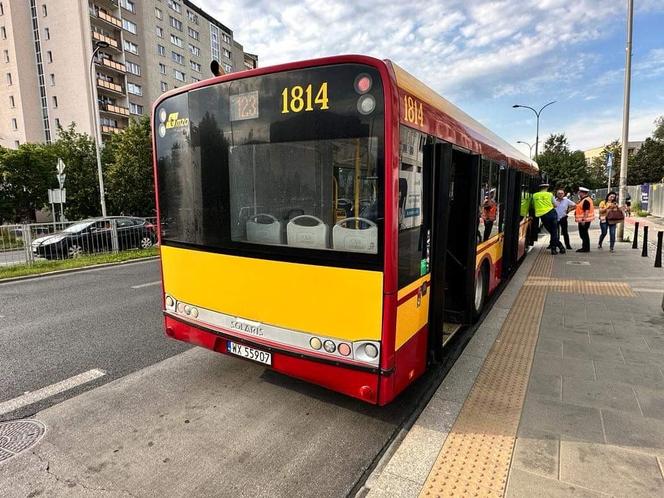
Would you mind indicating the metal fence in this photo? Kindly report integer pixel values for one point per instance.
(655, 197)
(27, 243)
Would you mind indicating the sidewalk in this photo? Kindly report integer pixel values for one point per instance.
(560, 392)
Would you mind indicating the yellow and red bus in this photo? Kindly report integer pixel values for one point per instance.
(334, 219)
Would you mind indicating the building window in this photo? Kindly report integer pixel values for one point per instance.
(129, 26)
(162, 68)
(14, 124)
(17, 144)
(195, 66)
(12, 102)
(192, 17)
(158, 14)
(194, 80)
(2, 10)
(227, 68)
(194, 50)
(135, 108)
(226, 38)
(134, 89)
(164, 86)
(57, 123)
(55, 101)
(160, 31)
(49, 56)
(131, 47)
(176, 24)
(47, 33)
(176, 40)
(52, 79)
(6, 52)
(175, 6)
(9, 78)
(161, 50)
(3, 32)
(44, 11)
(128, 5)
(133, 68)
(177, 58)
(193, 33)
(214, 42)
(179, 75)
(227, 54)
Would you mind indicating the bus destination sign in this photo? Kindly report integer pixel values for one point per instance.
(244, 106)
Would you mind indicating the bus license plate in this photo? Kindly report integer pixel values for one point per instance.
(249, 353)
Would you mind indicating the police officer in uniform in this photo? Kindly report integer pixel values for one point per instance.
(546, 211)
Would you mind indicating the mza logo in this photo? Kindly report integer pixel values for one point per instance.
(173, 120)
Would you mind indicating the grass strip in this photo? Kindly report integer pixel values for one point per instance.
(42, 266)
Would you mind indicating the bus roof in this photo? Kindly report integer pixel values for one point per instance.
(476, 131)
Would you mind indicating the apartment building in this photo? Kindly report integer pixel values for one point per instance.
(51, 51)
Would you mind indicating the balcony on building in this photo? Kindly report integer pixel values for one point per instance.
(110, 64)
(109, 129)
(110, 86)
(112, 42)
(103, 15)
(113, 109)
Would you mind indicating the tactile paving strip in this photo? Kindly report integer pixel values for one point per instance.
(476, 456)
(620, 289)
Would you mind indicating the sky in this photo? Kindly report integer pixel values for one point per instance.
(483, 55)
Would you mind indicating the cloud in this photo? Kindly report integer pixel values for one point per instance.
(588, 132)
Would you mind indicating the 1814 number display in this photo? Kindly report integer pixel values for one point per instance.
(298, 98)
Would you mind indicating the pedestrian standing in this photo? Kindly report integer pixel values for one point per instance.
(610, 215)
(563, 206)
(584, 215)
(489, 212)
(546, 211)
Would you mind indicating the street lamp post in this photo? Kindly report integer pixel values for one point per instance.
(97, 127)
(530, 147)
(537, 113)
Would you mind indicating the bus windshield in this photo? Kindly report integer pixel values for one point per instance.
(285, 165)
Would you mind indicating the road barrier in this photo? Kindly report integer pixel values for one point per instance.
(27, 243)
(635, 242)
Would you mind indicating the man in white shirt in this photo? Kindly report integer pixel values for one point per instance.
(563, 206)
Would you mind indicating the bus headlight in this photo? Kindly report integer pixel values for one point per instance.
(315, 343)
(170, 302)
(370, 350)
(330, 346)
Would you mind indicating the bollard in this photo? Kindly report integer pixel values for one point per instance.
(644, 250)
(635, 244)
(658, 253)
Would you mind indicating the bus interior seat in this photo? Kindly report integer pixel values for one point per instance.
(361, 236)
(264, 229)
(307, 231)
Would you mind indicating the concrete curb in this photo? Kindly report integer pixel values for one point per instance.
(74, 270)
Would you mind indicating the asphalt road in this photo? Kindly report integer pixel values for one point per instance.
(224, 426)
(53, 328)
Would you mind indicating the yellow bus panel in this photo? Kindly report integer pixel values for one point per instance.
(341, 303)
(411, 317)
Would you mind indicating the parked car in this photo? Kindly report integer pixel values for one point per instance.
(95, 235)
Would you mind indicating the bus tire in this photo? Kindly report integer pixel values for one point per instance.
(481, 291)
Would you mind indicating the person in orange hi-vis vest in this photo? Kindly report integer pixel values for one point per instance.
(584, 215)
(489, 212)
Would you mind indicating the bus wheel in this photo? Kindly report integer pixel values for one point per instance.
(481, 281)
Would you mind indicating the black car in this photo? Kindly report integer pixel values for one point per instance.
(96, 235)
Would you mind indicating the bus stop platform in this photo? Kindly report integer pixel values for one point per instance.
(559, 392)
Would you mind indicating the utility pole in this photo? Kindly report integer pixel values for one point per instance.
(622, 196)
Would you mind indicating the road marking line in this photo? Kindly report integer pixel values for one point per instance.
(48, 391)
(643, 289)
(145, 285)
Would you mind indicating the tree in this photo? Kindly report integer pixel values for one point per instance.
(26, 174)
(564, 168)
(658, 134)
(647, 165)
(77, 150)
(129, 179)
(598, 164)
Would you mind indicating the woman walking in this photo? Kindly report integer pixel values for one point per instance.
(609, 216)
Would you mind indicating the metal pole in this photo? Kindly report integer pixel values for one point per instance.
(62, 213)
(97, 131)
(658, 254)
(635, 242)
(537, 134)
(625, 130)
(644, 247)
(53, 211)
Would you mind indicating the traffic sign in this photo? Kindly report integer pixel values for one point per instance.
(57, 196)
(60, 167)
